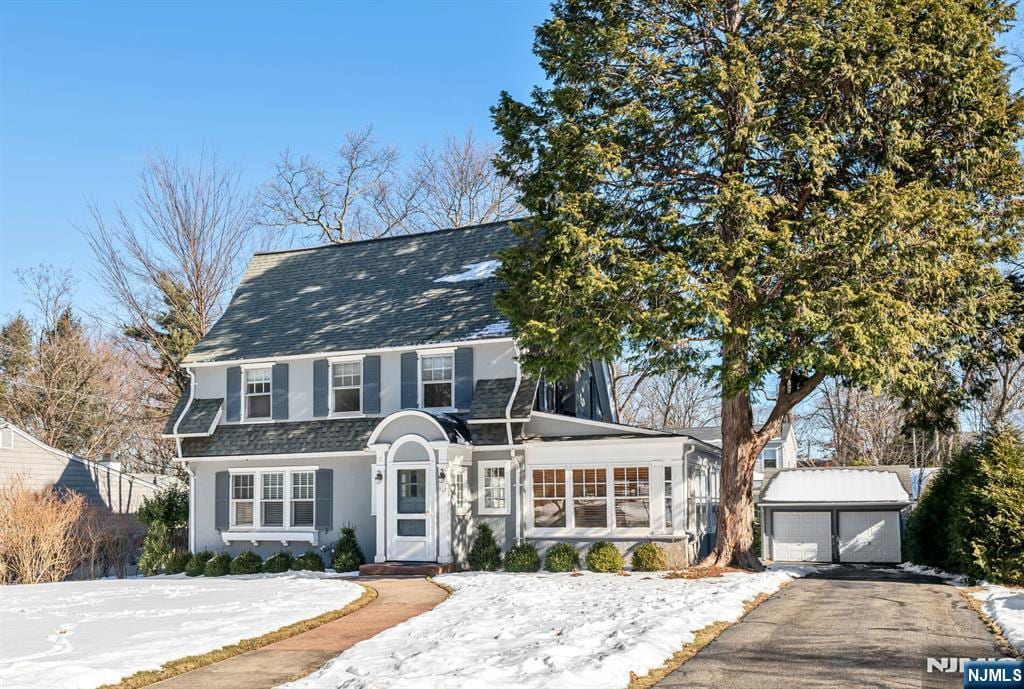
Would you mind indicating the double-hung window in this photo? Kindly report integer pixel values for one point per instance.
(272, 499)
(438, 380)
(257, 393)
(632, 497)
(549, 498)
(302, 498)
(590, 498)
(770, 458)
(493, 487)
(347, 387)
(242, 499)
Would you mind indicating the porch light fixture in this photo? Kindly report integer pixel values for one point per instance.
(379, 477)
(441, 475)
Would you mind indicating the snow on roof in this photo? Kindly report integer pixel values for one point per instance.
(472, 271)
(835, 485)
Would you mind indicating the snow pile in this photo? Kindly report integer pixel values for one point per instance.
(499, 329)
(472, 271)
(1005, 606)
(81, 634)
(953, 579)
(543, 630)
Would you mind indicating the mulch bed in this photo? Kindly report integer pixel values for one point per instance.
(702, 572)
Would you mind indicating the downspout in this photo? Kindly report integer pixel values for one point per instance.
(690, 448)
(188, 468)
(511, 448)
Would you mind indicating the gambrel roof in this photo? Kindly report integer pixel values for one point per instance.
(402, 291)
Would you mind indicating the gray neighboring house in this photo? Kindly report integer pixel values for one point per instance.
(374, 384)
(40, 466)
(835, 514)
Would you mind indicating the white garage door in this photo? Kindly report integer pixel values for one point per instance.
(802, 537)
(869, 537)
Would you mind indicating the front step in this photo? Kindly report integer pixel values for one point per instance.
(393, 569)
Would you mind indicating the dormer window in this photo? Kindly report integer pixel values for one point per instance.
(347, 387)
(257, 393)
(438, 380)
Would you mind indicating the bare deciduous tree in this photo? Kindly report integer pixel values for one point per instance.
(366, 192)
(664, 400)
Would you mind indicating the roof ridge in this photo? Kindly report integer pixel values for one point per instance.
(393, 237)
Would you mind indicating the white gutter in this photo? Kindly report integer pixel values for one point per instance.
(188, 469)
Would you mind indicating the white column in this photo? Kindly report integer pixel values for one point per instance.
(380, 492)
(678, 501)
(657, 490)
(444, 507)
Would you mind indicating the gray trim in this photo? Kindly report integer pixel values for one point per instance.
(371, 384)
(321, 387)
(279, 388)
(410, 380)
(324, 499)
(463, 362)
(233, 401)
(222, 490)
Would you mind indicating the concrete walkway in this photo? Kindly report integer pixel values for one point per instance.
(847, 627)
(398, 599)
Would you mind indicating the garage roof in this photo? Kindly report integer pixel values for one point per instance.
(888, 484)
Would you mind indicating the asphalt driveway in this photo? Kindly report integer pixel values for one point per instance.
(844, 627)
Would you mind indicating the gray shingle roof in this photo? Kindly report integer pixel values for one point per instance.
(362, 295)
(179, 407)
(200, 416)
(491, 397)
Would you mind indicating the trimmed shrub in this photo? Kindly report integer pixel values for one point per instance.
(522, 557)
(970, 519)
(485, 555)
(347, 556)
(177, 561)
(156, 548)
(279, 562)
(309, 560)
(217, 566)
(602, 556)
(247, 563)
(649, 557)
(197, 563)
(562, 557)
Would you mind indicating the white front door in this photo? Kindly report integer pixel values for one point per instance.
(412, 518)
(869, 537)
(802, 537)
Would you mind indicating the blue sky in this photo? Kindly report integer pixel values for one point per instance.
(88, 90)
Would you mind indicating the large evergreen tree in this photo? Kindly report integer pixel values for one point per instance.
(779, 191)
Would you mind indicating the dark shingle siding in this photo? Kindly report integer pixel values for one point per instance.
(361, 295)
(200, 416)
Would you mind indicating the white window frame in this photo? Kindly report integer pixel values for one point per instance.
(292, 499)
(481, 472)
(257, 510)
(567, 504)
(245, 396)
(653, 528)
(233, 501)
(778, 456)
(421, 354)
(330, 376)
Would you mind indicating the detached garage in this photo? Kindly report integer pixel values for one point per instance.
(843, 514)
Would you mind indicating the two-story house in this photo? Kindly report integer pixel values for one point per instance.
(374, 384)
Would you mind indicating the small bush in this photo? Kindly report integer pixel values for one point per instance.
(108, 541)
(485, 555)
(279, 562)
(197, 563)
(37, 533)
(310, 561)
(347, 556)
(649, 557)
(602, 556)
(522, 557)
(217, 566)
(156, 548)
(247, 563)
(177, 561)
(562, 557)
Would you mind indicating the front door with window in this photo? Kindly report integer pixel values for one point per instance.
(412, 519)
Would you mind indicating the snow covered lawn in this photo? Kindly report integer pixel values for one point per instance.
(1006, 608)
(81, 634)
(543, 630)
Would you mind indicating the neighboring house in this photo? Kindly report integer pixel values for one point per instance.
(39, 466)
(779, 453)
(840, 514)
(374, 384)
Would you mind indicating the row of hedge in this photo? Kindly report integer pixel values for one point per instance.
(601, 556)
(344, 557)
(970, 519)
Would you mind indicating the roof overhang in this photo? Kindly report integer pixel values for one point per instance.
(835, 505)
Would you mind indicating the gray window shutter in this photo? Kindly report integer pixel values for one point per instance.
(371, 385)
(463, 377)
(321, 387)
(279, 384)
(410, 379)
(233, 408)
(222, 485)
(324, 499)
